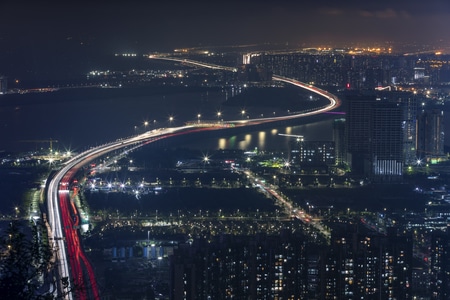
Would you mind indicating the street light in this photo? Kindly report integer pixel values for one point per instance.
(198, 118)
(170, 120)
(205, 161)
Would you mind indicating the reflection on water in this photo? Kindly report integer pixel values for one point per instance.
(222, 143)
(86, 122)
(289, 130)
(91, 121)
(261, 139)
(268, 140)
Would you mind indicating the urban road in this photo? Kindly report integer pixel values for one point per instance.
(76, 275)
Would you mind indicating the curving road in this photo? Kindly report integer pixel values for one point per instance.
(63, 216)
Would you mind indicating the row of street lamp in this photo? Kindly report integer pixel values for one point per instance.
(171, 119)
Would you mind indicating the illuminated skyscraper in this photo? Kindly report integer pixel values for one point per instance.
(381, 131)
(386, 140)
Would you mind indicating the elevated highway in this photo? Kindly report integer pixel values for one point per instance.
(194, 63)
(72, 263)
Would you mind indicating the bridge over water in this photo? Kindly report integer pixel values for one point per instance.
(63, 217)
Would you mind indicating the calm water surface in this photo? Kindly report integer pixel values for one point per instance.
(81, 122)
(87, 121)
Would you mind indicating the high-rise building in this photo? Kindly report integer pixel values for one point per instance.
(356, 266)
(440, 265)
(317, 152)
(419, 73)
(409, 125)
(360, 266)
(430, 134)
(233, 267)
(339, 138)
(386, 139)
(380, 133)
(312, 157)
(358, 127)
(253, 73)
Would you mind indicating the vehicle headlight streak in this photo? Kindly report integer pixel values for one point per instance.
(55, 187)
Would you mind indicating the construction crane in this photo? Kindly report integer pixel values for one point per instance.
(51, 141)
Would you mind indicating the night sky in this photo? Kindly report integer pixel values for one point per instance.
(59, 32)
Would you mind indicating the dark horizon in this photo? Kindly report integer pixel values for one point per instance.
(140, 26)
(37, 39)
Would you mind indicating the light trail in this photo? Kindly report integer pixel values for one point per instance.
(60, 182)
(194, 63)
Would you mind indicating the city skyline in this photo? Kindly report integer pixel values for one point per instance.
(131, 207)
(42, 41)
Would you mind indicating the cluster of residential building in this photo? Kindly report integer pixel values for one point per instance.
(358, 265)
(392, 104)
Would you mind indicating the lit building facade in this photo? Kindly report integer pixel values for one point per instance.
(386, 140)
(313, 152)
(355, 266)
(440, 265)
(368, 267)
(381, 131)
(430, 134)
(339, 138)
(409, 127)
(232, 267)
